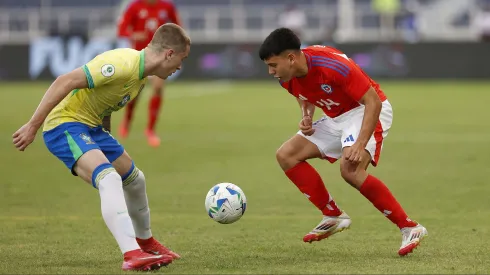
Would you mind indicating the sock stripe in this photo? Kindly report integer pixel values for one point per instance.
(129, 172)
(100, 172)
(129, 179)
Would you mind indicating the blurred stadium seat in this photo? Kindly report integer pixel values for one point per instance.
(245, 20)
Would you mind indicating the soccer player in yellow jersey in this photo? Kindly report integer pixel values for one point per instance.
(76, 111)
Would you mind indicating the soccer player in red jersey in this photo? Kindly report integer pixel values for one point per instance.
(139, 22)
(357, 118)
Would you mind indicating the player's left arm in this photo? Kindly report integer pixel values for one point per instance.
(372, 109)
(358, 86)
(106, 123)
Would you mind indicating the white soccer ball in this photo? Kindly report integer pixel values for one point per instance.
(225, 203)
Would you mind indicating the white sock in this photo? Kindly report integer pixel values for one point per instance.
(114, 209)
(137, 203)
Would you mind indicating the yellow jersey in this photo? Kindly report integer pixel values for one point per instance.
(114, 78)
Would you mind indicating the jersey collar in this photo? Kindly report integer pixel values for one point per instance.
(314, 74)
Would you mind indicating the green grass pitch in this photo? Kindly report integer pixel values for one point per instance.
(435, 160)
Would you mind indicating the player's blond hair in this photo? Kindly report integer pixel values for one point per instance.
(170, 36)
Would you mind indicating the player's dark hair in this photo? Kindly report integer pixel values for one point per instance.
(277, 42)
(170, 36)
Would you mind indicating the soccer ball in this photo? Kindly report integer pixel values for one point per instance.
(225, 203)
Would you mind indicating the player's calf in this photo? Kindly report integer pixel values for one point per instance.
(381, 197)
(134, 183)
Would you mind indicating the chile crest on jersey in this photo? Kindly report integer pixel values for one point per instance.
(326, 88)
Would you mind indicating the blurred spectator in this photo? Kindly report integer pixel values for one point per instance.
(408, 21)
(387, 10)
(293, 18)
(482, 22)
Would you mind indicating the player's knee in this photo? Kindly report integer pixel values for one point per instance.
(348, 174)
(103, 172)
(353, 174)
(286, 157)
(282, 155)
(134, 177)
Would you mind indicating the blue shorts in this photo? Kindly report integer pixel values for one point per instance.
(70, 140)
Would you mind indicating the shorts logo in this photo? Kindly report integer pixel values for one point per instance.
(326, 88)
(108, 70)
(125, 100)
(350, 138)
(86, 138)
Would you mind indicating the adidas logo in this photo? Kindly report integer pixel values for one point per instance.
(349, 138)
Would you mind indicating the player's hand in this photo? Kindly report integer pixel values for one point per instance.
(306, 126)
(139, 36)
(24, 136)
(354, 153)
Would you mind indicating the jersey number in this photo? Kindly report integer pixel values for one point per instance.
(327, 103)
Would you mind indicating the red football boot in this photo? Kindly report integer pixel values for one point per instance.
(141, 261)
(152, 246)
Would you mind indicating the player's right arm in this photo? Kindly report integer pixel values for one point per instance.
(307, 112)
(58, 90)
(307, 109)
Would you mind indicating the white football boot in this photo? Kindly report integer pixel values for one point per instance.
(327, 227)
(411, 238)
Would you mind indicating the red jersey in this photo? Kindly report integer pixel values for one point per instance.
(141, 16)
(334, 83)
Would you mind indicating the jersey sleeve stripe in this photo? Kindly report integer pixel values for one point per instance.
(89, 77)
(317, 63)
(142, 64)
(329, 66)
(308, 57)
(340, 64)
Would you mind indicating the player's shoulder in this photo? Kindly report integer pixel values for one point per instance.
(328, 60)
(322, 50)
(121, 59)
(120, 54)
